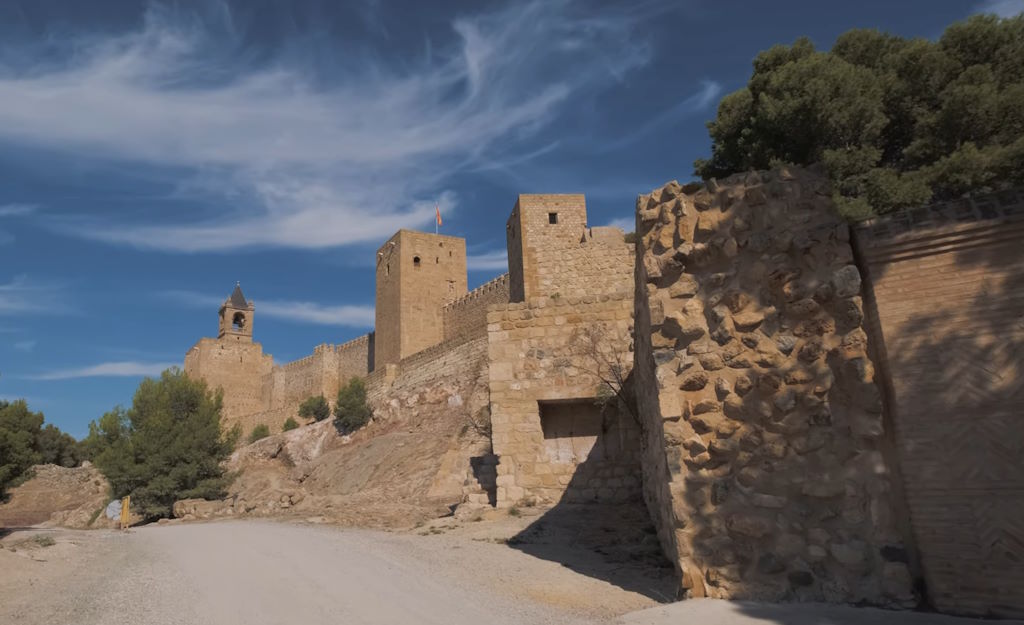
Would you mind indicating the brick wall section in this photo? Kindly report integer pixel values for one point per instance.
(467, 316)
(538, 352)
(753, 377)
(948, 285)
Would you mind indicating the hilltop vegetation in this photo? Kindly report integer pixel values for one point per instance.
(25, 442)
(897, 122)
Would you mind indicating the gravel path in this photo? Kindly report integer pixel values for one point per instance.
(262, 573)
(257, 573)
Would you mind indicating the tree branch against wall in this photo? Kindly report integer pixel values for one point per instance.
(604, 359)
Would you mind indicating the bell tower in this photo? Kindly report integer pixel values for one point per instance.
(236, 316)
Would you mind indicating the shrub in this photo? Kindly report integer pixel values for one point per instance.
(259, 432)
(44, 541)
(351, 409)
(289, 424)
(169, 445)
(315, 408)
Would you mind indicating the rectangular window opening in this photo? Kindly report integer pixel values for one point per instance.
(552, 218)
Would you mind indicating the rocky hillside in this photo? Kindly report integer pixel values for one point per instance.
(411, 463)
(58, 496)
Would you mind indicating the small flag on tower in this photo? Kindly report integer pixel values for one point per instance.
(437, 212)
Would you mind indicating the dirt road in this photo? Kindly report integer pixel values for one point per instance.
(256, 573)
(261, 573)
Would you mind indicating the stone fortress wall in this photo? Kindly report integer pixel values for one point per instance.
(256, 391)
(756, 386)
(756, 374)
(467, 316)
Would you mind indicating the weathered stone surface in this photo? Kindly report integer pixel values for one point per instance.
(687, 327)
(846, 281)
(694, 381)
(785, 343)
(786, 436)
(685, 286)
(711, 362)
(849, 554)
(750, 525)
(747, 321)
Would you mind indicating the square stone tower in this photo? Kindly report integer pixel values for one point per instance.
(417, 274)
(236, 317)
(539, 231)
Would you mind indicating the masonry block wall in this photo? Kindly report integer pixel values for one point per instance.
(238, 368)
(553, 252)
(771, 483)
(417, 274)
(256, 392)
(467, 316)
(542, 357)
(554, 428)
(948, 291)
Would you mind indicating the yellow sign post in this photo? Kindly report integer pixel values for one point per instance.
(125, 514)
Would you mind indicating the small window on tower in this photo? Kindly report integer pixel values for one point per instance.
(416, 261)
(552, 218)
(238, 322)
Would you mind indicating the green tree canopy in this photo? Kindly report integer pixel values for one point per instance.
(315, 407)
(169, 445)
(25, 442)
(18, 427)
(351, 410)
(896, 122)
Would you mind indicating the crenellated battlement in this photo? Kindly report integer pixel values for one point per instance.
(499, 284)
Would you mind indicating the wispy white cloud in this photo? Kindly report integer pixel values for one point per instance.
(302, 160)
(699, 101)
(1002, 8)
(22, 295)
(25, 346)
(494, 260)
(17, 210)
(123, 369)
(293, 311)
(626, 224)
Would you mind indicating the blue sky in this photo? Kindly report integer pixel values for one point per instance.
(153, 154)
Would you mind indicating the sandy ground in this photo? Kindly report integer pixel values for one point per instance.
(262, 572)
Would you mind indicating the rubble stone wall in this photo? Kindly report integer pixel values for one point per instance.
(753, 369)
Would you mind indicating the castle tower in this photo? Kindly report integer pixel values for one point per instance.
(236, 316)
(417, 274)
(539, 231)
